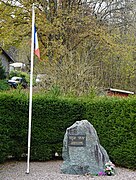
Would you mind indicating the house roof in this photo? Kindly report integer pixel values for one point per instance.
(10, 59)
(120, 91)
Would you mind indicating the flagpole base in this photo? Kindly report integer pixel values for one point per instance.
(27, 172)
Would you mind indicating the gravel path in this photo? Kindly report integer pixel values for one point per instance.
(51, 171)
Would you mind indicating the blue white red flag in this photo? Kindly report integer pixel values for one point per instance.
(36, 45)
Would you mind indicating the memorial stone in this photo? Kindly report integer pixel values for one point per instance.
(82, 152)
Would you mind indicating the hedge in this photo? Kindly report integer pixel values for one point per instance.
(113, 118)
(115, 122)
(51, 117)
(13, 124)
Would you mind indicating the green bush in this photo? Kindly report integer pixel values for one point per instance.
(4, 85)
(124, 155)
(51, 117)
(115, 122)
(13, 124)
(20, 74)
(113, 118)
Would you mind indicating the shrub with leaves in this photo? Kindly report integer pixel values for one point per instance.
(4, 85)
(20, 74)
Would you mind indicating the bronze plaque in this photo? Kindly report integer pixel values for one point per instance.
(77, 140)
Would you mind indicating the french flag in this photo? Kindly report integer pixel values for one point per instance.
(36, 46)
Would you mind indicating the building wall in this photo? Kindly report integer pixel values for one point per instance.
(5, 63)
(110, 93)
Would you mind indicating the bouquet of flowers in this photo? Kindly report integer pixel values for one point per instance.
(109, 168)
(101, 173)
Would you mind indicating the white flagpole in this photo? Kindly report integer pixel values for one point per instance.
(31, 91)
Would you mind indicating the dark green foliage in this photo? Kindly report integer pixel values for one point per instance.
(4, 85)
(51, 117)
(13, 124)
(24, 75)
(113, 118)
(115, 122)
(125, 154)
